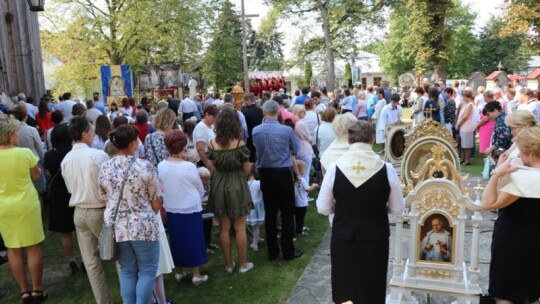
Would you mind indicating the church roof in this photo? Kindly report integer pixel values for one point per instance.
(495, 74)
(534, 74)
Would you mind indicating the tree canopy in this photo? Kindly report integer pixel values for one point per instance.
(495, 48)
(265, 47)
(339, 20)
(138, 32)
(522, 17)
(222, 62)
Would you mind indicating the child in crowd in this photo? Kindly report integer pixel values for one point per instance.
(256, 216)
(207, 216)
(166, 264)
(301, 191)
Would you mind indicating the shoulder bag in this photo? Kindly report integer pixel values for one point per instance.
(107, 249)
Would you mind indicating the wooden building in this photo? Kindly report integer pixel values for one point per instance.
(477, 79)
(500, 75)
(21, 64)
(533, 80)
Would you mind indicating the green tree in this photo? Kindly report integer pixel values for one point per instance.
(395, 59)
(135, 32)
(522, 17)
(428, 36)
(463, 45)
(222, 62)
(509, 50)
(340, 21)
(413, 45)
(265, 47)
(308, 73)
(348, 74)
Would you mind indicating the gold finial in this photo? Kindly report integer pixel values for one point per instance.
(428, 111)
(358, 167)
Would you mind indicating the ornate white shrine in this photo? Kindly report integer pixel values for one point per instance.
(395, 142)
(437, 207)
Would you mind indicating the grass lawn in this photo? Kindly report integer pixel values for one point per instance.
(268, 282)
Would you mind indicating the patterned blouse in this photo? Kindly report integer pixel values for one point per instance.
(450, 112)
(136, 220)
(154, 147)
(501, 136)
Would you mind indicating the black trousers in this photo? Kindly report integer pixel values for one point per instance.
(300, 216)
(277, 186)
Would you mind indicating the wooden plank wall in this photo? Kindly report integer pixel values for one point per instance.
(21, 63)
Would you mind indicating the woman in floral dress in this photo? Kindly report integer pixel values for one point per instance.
(154, 144)
(136, 226)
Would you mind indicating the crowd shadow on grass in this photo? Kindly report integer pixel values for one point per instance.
(268, 282)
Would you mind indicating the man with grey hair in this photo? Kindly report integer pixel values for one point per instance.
(209, 99)
(274, 144)
(92, 113)
(360, 189)
(30, 108)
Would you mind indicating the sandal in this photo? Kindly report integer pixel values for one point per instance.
(26, 300)
(39, 296)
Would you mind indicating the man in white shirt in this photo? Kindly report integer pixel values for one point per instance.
(390, 114)
(347, 102)
(80, 169)
(66, 106)
(187, 108)
(203, 133)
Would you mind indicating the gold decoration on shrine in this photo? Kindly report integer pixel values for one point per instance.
(429, 127)
(436, 274)
(440, 166)
(440, 199)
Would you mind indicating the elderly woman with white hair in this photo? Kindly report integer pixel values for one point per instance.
(301, 130)
(340, 145)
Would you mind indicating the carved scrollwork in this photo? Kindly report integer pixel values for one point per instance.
(429, 127)
(441, 166)
(440, 199)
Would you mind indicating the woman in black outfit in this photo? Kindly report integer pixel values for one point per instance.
(60, 214)
(513, 189)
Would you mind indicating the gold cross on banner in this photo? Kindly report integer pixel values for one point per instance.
(429, 110)
(358, 167)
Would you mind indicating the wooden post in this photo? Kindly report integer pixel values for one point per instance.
(21, 63)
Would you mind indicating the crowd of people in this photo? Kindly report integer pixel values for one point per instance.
(183, 167)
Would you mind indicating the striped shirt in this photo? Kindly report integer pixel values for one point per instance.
(274, 144)
(80, 169)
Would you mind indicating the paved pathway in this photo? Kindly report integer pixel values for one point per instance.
(314, 284)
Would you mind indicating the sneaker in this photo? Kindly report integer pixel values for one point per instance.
(305, 229)
(249, 267)
(230, 270)
(310, 199)
(254, 247)
(179, 276)
(199, 280)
